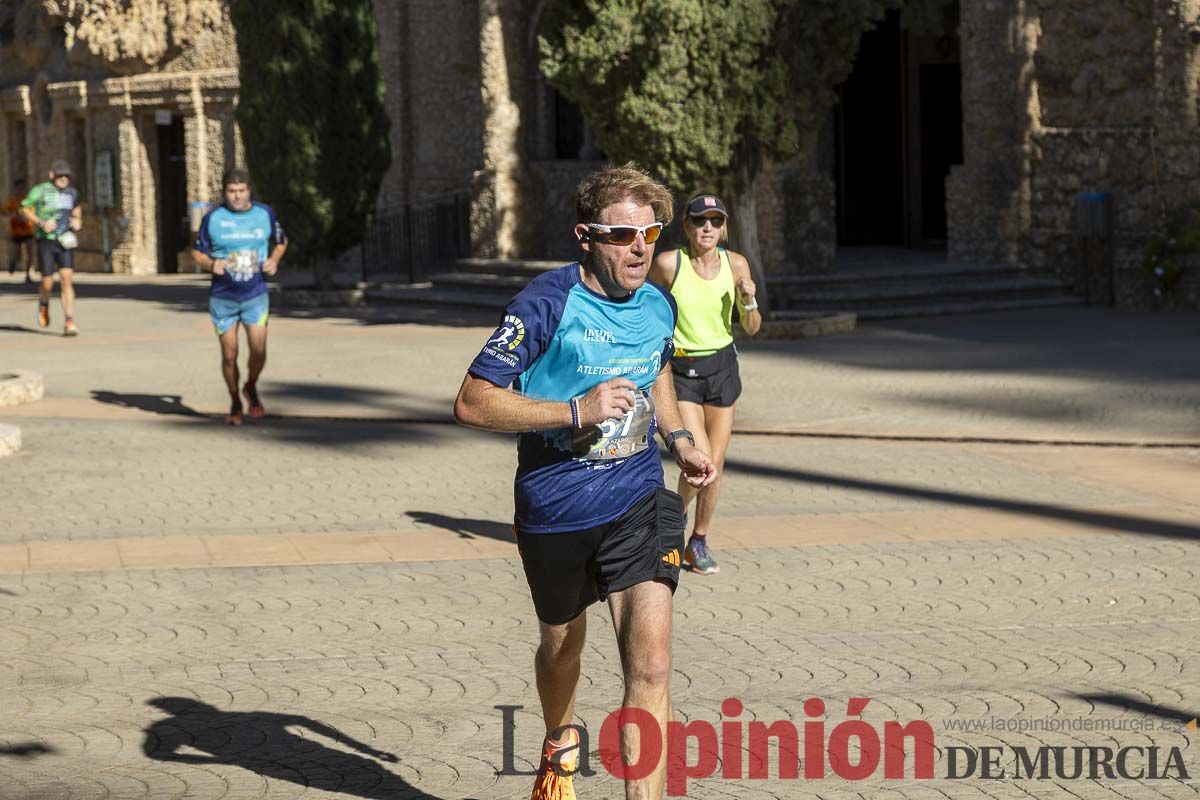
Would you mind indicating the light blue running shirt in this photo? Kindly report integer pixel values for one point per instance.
(245, 239)
(558, 339)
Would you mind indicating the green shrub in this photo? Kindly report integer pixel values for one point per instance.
(1162, 259)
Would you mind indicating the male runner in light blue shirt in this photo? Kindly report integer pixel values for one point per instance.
(241, 243)
(586, 348)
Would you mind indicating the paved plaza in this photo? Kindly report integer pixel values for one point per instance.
(985, 523)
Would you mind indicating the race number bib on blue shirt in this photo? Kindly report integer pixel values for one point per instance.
(557, 340)
(618, 438)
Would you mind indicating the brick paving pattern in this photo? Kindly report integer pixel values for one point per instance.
(959, 584)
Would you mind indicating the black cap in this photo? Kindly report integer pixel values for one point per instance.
(704, 203)
(60, 167)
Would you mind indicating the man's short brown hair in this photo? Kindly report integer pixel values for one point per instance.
(234, 176)
(616, 184)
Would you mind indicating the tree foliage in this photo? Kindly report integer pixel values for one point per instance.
(699, 90)
(311, 110)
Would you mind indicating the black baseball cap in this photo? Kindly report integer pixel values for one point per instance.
(704, 203)
(60, 167)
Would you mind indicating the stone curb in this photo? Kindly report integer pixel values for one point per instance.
(19, 387)
(801, 325)
(10, 440)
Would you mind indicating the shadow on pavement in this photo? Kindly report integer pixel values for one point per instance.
(331, 432)
(399, 314)
(175, 294)
(259, 741)
(191, 294)
(1120, 523)
(1128, 702)
(25, 329)
(26, 750)
(154, 403)
(331, 393)
(1058, 342)
(465, 528)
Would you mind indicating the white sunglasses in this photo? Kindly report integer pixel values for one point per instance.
(626, 234)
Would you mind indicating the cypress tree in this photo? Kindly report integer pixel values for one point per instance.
(311, 111)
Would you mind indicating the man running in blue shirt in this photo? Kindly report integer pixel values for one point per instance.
(586, 348)
(240, 242)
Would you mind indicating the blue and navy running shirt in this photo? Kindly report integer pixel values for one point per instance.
(558, 339)
(244, 239)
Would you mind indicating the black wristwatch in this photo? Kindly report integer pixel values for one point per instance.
(675, 436)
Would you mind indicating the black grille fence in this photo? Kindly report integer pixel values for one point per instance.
(412, 241)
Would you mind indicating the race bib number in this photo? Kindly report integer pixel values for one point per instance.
(242, 265)
(618, 438)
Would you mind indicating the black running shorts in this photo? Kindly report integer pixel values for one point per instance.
(711, 380)
(52, 256)
(567, 572)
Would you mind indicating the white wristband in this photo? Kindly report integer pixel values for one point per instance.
(752, 307)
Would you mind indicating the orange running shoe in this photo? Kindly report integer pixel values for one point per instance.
(560, 760)
(43, 314)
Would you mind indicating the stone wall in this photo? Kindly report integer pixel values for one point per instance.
(798, 217)
(987, 198)
(554, 195)
(1068, 97)
(430, 54)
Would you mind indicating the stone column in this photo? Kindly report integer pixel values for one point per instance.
(504, 195)
(135, 252)
(200, 156)
(1177, 100)
(988, 197)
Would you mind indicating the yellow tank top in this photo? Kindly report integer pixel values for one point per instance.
(705, 307)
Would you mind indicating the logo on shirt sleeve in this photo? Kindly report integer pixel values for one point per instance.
(509, 334)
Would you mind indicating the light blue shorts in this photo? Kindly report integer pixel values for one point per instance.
(227, 312)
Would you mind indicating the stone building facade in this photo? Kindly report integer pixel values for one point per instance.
(1037, 100)
(471, 112)
(1065, 96)
(1057, 97)
(143, 92)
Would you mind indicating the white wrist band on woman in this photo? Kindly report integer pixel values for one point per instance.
(752, 307)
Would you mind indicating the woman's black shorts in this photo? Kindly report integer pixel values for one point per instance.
(711, 380)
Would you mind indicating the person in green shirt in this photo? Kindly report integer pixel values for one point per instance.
(54, 210)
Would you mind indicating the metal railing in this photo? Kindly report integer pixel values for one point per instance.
(411, 241)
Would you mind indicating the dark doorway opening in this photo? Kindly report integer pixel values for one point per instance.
(870, 147)
(173, 233)
(898, 130)
(941, 141)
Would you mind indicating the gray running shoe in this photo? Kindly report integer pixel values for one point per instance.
(698, 556)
